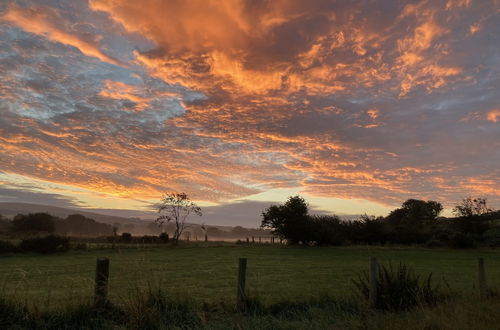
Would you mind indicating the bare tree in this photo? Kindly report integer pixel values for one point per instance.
(470, 207)
(176, 207)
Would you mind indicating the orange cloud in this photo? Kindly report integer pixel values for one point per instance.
(121, 91)
(41, 22)
(493, 115)
(287, 93)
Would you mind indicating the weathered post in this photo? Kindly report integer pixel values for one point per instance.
(373, 281)
(101, 282)
(241, 295)
(248, 240)
(260, 240)
(253, 239)
(483, 288)
(272, 240)
(206, 237)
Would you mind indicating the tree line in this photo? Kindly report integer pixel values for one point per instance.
(415, 222)
(74, 224)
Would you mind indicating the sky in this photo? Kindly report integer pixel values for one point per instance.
(355, 105)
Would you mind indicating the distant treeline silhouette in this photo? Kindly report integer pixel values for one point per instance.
(75, 224)
(415, 222)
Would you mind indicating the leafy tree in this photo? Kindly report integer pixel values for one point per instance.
(289, 221)
(471, 213)
(415, 212)
(327, 230)
(470, 207)
(370, 229)
(176, 208)
(33, 222)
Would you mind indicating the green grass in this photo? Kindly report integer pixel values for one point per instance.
(207, 273)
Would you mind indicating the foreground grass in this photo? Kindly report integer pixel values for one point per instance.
(156, 311)
(207, 273)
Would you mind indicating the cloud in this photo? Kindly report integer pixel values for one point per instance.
(493, 115)
(42, 21)
(18, 195)
(381, 101)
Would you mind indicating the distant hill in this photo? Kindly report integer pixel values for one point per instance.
(11, 209)
(141, 218)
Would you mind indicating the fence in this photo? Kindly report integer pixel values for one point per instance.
(102, 280)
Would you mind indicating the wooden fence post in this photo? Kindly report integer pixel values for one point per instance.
(253, 239)
(248, 240)
(260, 240)
(272, 240)
(373, 281)
(241, 295)
(101, 282)
(483, 288)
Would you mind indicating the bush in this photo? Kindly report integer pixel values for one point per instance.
(147, 239)
(164, 237)
(7, 247)
(462, 241)
(126, 237)
(48, 244)
(399, 289)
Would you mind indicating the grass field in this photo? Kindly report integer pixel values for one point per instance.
(207, 273)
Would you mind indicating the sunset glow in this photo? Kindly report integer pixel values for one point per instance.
(357, 105)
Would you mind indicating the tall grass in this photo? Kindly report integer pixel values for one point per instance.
(155, 309)
(400, 288)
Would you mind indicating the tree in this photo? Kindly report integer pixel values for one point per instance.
(33, 222)
(175, 208)
(290, 221)
(471, 212)
(415, 212)
(470, 207)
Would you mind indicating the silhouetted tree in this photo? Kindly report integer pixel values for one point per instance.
(415, 212)
(470, 207)
(326, 230)
(289, 221)
(471, 214)
(33, 222)
(176, 208)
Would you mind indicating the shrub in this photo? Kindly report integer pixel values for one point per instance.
(7, 247)
(48, 244)
(164, 237)
(399, 289)
(462, 241)
(147, 239)
(126, 237)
